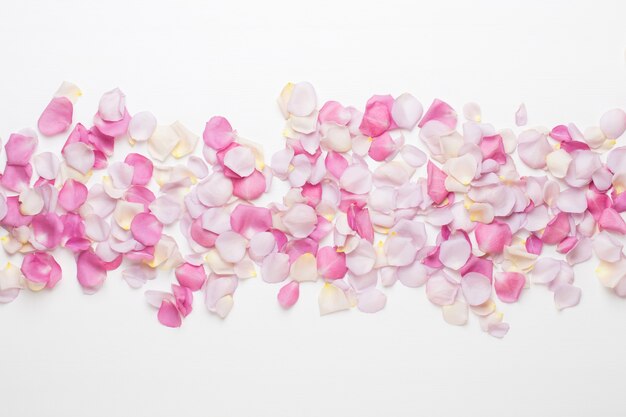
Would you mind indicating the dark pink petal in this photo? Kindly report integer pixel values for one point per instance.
(509, 286)
(331, 264)
(249, 220)
(335, 163)
(382, 147)
(573, 146)
(534, 245)
(597, 203)
(436, 183)
(184, 299)
(142, 168)
(202, 236)
(218, 133)
(481, 265)
(359, 220)
(493, 148)
(73, 194)
(612, 221)
(561, 133)
(288, 294)
(441, 112)
(16, 177)
(168, 314)
(557, 229)
(566, 244)
(139, 194)
(146, 229)
(13, 217)
(250, 187)
(191, 276)
(91, 271)
(313, 193)
(47, 229)
(73, 226)
(492, 238)
(333, 112)
(41, 268)
(101, 141)
(113, 129)
(377, 117)
(56, 117)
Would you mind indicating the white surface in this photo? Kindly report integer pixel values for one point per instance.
(66, 354)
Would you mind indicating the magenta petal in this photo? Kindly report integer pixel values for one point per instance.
(612, 221)
(91, 271)
(288, 294)
(41, 268)
(249, 220)
(556, 230)
(146, 229)
(480, 265)
(250, 187)
(441, 112)
(534, 245)
(331, 264)
(359, 220)
(47, 229)
(142, 168)
(493, 148)
(72, 195)
(509, 285)
(168, 314)
(377, 116)
(561, 133)
(191, 276)
(218, 133)
(56, 117)
(436, 183)
(492, 238)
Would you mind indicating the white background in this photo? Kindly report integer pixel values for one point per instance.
(63, 353)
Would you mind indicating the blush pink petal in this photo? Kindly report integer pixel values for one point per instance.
(613, 123)
(492, 238)
(168, 314)
(146, 229)
(480, 265)
(557, 229)
(56, 117)
(533, 149)
(142, 168)
(359, 220)
(509, 286)
(440, 289)
(218, 133)
(566, 295)
(91, 271)
(112, 129)
(406, 111)
(436, 183)
(492, 147)
(300, 220)
(184, 299)
(382, 147)
(288, 294)
(371, 301)
(521, 116)
(454, 252)
(191, 276)
(16, 177)
(441, 112)
(47, 229)
(331, 264)
(250, 187)
(335, 163)
(73, 194)
(377, 117)
(560, 133)
(534, 245)
(249, 220)
(41, 268)
(20, 148)
(612, 221)
(275, 267)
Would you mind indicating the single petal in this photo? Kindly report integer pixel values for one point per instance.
(166, 209)
(146, 229)
(304, 268)
(406, 111)
(456, 313)
(231, 246)
(56, 117)
(521, 116)
(303, 100)
(476, 288)
(250, 220)
(356, 179)
(362, 259)
(612, 221)
(218, 133)
(441, 112)
(472, 113)
(275, 267)
(142, 126)
(300, 220)
(20, 148)
(142, 168)
(250, 187)
(332, 299)
(168, 314)
(454, 252)
(90, 271)
(509, 286)
(546, 270)
(261, 245)
(566, 296)
(288, 294)
(79, 156)
(440, 289)
(215, 191)
(331, 264)
(613, 123)
(371, 301)
(112, 105)
(240, 160)
(572, 200)
(41, 269)
(73, 194)
(557, 229)
(47, 165)
(436, 183)
(47, 230)
(607, 247)
(492, 238)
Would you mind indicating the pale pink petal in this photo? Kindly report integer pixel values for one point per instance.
(558, 163)
(166, 209)
(41, 269)
(301, 171)
(613, 123)
(476, 288)
(215, 191)
(300, 220)
(472, 112)
(546, 270)
(288, 294)
(492, 238)
(533, 148)
(331, 264)
(218, 133)
(231, 246)
(137, 275)
(498, 330)
(31, 202)
(580, 252)
(441, 112)
(90, 271)
(521, 116)
(142, 126)
(240, 160)
(413, 156)
(261, 245)
(250, 187)
(454, 252)
(413, 275)
(20, 148)
(456, 313)
(371, 301)
(356, 179)
(79, 156)
(73, 194)
(607, 247)
(332, 299)
(146, 229)
(275, 267)
(112, 105)
(361, 260)
(436, 183)
(572, 200)
(566, 296)
(400, 250)
(56, 117)
(509, 286)
(303, 100)
(406, 111)
(47, 165)
(440, 289)
(121, 175)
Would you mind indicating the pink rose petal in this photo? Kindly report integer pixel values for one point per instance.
(56, 117)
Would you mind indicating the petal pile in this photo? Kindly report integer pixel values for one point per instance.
(372, 196)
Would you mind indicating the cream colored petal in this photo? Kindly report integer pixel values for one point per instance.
(558, 162)
(455, 314)
(304, 268)
(332, 299)
(125, 212)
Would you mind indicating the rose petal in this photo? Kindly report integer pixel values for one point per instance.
(56, 117)
(509, 286)
(288, 294)
(566, 296)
